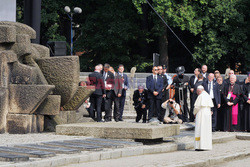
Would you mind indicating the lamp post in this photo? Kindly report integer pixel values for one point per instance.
(70, 15)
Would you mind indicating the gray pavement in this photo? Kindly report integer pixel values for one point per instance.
(179, 158)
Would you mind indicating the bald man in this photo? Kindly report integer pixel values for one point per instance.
(204, 71)
(212, 88)
(96, 79)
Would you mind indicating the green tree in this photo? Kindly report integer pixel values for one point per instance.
(221, 26)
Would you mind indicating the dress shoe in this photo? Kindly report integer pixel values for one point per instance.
(143, 121)
(116, 120)
(120, 119)
(101, 121)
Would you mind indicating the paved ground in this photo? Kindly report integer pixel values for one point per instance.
(235, 163)
(175, 158)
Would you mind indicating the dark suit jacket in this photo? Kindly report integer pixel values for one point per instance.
(152, 87)
(96, 80)
(216, 91)
(143, 96)
(236, 90)
(109, 80)
(117, 84)
(126, 83)
(191, 82)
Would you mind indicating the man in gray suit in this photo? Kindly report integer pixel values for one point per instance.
(116, 94)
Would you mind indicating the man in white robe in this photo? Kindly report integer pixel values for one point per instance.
(203, 124)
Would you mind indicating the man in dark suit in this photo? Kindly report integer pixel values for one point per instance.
(125, 86)
(164, 91)
(212, 88)
(96, 80)
(198, 83)
(140, 103)
(204, 71)
(193, 80)
(154, 85)
(108, 82)
(116, 94)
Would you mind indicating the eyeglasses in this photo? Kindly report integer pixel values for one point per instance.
(160, 69)
(156, 69)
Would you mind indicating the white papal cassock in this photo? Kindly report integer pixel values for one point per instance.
(203, 124)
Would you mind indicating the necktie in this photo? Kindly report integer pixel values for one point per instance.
(209, 87)
(155, 80)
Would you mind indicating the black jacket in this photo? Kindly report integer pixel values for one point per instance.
(96, 80)
(143, 97)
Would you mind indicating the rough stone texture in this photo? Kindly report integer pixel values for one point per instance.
(7, 34)
(50, 106)
(24, 123)
(21, 28)
(82, 93)
(119, 130)
(64, 117)
(24, 99)
(43, 51)
(244, 136)
(24, 85)
(3, 108)
(23, 74)
(63, 72)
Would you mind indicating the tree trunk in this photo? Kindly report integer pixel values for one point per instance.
(163, 48)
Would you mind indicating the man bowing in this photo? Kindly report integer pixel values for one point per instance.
(203, 125)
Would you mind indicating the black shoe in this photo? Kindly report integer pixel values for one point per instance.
(120, 119)
(213, 130)
(116, 120)
(143, 121)
(101, 121)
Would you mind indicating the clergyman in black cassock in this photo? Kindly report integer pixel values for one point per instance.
(231, 93)
(246, 110)
(220, 120)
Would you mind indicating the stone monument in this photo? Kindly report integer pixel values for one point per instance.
(33, 85)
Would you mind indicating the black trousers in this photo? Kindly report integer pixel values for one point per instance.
(154, 108)
(185, 106)
(108, 113)
(121, 105)
(214, 116)
(96, 103)
(191, 112)
(141, 112)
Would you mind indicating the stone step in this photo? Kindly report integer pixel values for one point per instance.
(118, 130)
(94, 143)
(122, 142)
(57, 150)
(74, 146)
(12, 157)
(26, 152)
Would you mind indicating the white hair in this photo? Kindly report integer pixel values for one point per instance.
(200, 87)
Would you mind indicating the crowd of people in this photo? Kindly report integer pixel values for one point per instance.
(230, 97)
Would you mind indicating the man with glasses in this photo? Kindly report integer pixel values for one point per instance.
(154, 84)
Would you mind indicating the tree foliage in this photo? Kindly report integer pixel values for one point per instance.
(221, 25)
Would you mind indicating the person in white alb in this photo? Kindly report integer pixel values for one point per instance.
(203, 124)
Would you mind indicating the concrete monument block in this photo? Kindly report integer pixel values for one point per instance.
(82, 93)
(3, 108)
(7, 34)
(50, 106)
(25, 99)
(24, 123)
(27, 77)
(21, 28)
(43, 51)
(119, 130)
(23, 74)
(63, 72)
